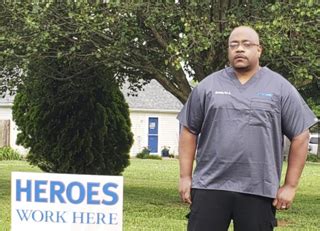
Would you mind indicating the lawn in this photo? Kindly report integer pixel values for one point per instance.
(151, 199)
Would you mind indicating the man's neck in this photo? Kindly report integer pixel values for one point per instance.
(244, 76)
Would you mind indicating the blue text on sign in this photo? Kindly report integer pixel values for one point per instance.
(44, 191)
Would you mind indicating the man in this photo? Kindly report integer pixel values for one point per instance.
(235, 120)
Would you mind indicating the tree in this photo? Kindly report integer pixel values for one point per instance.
(163, 40)
(79, 125)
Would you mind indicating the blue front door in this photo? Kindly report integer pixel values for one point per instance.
(153, 135)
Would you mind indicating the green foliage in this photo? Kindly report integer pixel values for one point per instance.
(171, 156)
(140, 155)
(145, 154)
(163, 40)
(7, 153)
(153, 157)
(313, 158)
(315, 105)
(73, 125)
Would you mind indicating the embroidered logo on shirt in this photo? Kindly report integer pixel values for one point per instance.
(264, 94)
(222, 92)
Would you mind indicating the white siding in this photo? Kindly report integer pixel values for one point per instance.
(139, 128)
(168, 130)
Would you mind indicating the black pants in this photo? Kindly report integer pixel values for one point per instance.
(213, 210)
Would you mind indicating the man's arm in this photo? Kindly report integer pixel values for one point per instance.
(296, 161)
(187, 149)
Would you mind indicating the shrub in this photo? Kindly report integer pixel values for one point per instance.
(78, 125)
(313, 158)
(145, 154)
(140, 155)
(154, 157)
(7, 153)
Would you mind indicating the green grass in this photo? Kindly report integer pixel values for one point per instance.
(6, 167)
(151, 201)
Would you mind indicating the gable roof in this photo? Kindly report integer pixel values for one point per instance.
(153, 96)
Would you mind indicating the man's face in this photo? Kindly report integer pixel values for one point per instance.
(244, 50)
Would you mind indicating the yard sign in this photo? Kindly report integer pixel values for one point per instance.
(63, 202)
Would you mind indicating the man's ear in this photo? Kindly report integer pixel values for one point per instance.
(260, 50)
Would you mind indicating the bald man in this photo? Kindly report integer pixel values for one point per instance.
(233, 124)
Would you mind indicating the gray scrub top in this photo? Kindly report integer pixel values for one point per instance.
(240, 130)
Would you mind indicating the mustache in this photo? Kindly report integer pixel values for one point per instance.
(240, 56)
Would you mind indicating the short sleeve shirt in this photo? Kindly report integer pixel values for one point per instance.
(240, 130)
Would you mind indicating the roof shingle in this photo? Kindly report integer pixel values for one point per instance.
(153, 96)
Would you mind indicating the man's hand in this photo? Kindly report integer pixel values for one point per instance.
(185, 189)
(285, 196)
(296, 161)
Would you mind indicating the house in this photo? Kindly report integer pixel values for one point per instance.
(152, 112)
(153, 115)
(8, 128)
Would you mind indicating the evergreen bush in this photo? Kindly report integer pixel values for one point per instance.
(75, 120)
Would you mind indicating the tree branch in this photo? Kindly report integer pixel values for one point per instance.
(159, 38)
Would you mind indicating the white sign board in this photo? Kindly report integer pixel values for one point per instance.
(63, 202)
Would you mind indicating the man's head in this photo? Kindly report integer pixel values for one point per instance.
(244, 49)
